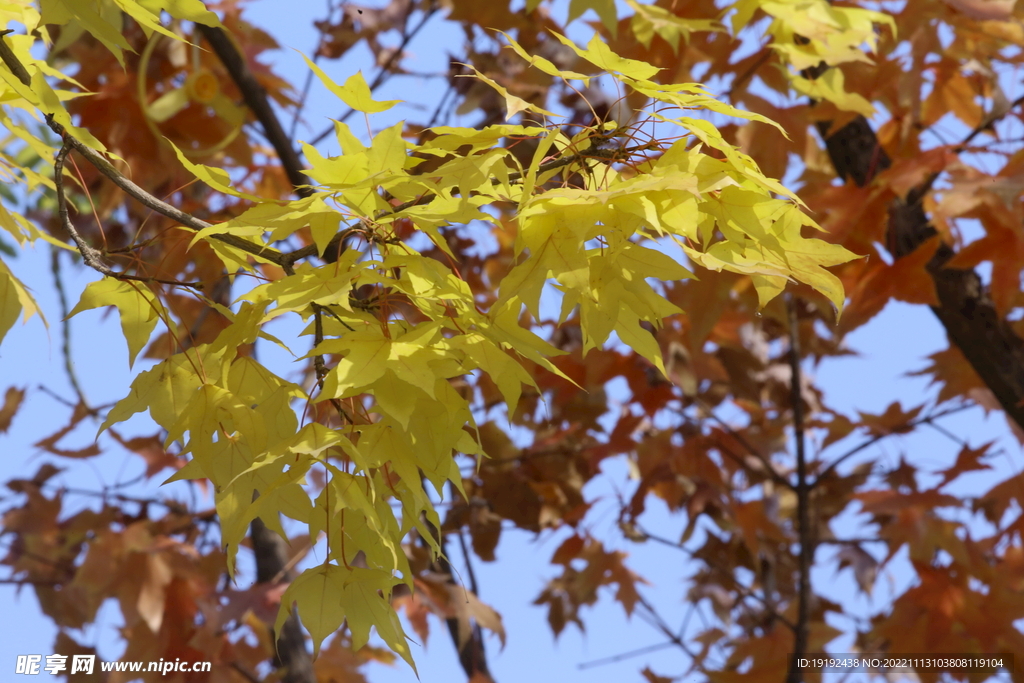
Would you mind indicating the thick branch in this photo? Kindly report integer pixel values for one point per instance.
(256, 99)
(472, 655)
(971, 320)
(272, 564)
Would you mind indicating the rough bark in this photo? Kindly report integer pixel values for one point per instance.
(472, 654)
(966, 311)
(292, 658)
(256, 99)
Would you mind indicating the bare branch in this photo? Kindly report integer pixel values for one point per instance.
(272, 561)
(256, 99)
(91, 256)
(922, 189)
(626, 655)
(471, 653)
(966, 311)
(928, 419)
(309, 75)
(62, 297)
(12, 61)
(106, 168)
(802, 631)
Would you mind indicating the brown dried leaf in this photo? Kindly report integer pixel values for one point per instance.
(998, 10)
(12, 400)
(953, 373)
(894, 420)
(652, 677)
(44, 474)
(968, 460)
(865, 567)
(49, 444)
(153, 592)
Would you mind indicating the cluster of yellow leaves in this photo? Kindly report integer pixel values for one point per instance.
(422, 326)
(807, 33)
(103, 21)
(582, 240)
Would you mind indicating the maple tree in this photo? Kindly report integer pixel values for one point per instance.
(639, 233)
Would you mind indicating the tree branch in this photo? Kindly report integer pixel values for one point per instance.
(965, 310)
(137, 193)
(472, 655)
(256, 99)
(93, 257)
(271, 552)
(133, 190)
(309, 74)
(62, 297)
(800, 640)
(743, 591)
(272, 562)
(626, 655)
(385, 68)
(878, 437)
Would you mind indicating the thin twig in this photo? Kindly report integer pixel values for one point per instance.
(309, 75)
(133, 190)
(626, 655)
(764, 460)
(440, 105)
(657, 622)
(928, 419)
(802, 631)
(385, 69)
(91, 256)
(742, 590)
(949, 435)
(775, 475)
(921, 190)
(62, 297)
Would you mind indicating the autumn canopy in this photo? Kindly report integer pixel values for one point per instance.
(616, 233)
